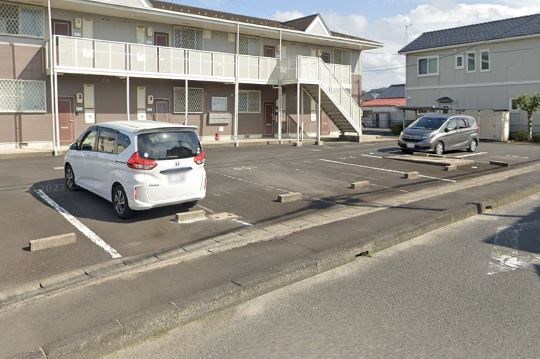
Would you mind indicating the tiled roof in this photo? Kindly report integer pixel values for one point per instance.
(300, 24)
(513, 27)
(394, 91)
(385, 102)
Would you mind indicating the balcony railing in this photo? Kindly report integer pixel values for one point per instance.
(120, 58)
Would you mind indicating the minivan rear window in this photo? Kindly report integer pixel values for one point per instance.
(168, 145)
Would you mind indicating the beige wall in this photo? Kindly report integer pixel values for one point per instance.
(110, 102)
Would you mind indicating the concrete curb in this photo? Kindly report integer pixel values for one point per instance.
(154, 321)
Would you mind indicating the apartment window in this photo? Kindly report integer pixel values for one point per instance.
(485, 60)
(21, 20)
(195, 100)
(249, 101)
(188, 38)
(22, 96)
(428, 66)
(342, 57)
(471, 61)
(459, 62)
(250, 45)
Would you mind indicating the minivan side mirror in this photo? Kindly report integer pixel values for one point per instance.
(74, 146)
(446, 129)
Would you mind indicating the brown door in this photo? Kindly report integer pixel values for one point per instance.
(161, 110)
(325, 56)
(325, 124)
(161, 39)
(268, 119)
(66, 118)
(61, 27)
(269, 51)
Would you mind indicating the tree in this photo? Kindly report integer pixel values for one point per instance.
(529, 104)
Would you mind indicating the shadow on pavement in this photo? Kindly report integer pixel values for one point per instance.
(522, 239)
(84, 204)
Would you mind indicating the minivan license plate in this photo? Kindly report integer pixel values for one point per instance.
(177, 177)
(410, 145)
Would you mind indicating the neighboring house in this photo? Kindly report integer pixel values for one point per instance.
(384, 111)
(154, 60)
(476, 67)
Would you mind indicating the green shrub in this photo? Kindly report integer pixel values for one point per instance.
(519, 136)
(396, 128)
(536, 138)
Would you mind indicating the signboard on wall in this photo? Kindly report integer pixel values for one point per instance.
(219, 104)
(219, 118)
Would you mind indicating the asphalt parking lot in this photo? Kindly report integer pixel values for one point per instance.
(242, 181)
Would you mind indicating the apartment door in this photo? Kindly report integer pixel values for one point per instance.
(66, 118)
(161, 110)
(269, 117)
(61, 27)
(269, 51)
(161, 39)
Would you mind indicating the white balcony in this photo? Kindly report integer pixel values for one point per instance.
(90, 56)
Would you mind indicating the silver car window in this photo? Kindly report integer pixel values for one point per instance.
(452, 125)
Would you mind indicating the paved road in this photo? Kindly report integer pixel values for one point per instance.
(468, 290)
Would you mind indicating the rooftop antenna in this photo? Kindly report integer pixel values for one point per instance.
(407, 26)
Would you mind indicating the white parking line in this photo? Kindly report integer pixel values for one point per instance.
(371, 156)
(58, 168)
(386, 170)
(77, 224)
(471, 154)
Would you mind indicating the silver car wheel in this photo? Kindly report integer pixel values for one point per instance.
(473, 146)
(119, 201)
(439, 148)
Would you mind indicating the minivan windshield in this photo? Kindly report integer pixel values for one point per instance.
(168, 145)
(428, 123)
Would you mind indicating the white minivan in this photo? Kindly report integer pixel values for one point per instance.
(138, 165)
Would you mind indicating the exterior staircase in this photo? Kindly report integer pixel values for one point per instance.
(336, 100)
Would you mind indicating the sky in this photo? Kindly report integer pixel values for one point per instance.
(391, 22)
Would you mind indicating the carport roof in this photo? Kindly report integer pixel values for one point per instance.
(493, 30)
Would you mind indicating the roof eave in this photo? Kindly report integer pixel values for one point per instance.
(464, 44)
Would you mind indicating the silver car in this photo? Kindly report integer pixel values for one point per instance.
(440, 133)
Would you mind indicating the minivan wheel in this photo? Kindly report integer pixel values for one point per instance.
(70, 179)
(439, 148)
(473, 146)
(120, 203)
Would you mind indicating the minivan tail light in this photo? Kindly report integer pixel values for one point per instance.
(139, 163)
(199, 159)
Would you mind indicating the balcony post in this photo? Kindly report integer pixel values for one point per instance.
(127, 99)
(51, 78)
(298, 143)
(280, 92)
(236, 87)
(319, 116)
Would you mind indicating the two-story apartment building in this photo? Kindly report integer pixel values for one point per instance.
(477, 67)
(67, 64)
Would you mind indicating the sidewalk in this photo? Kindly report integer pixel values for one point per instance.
(108, 314)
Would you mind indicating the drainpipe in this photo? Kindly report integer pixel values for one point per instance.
(127, 99)
(51, 79)
(236, 87)
(186, 99)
